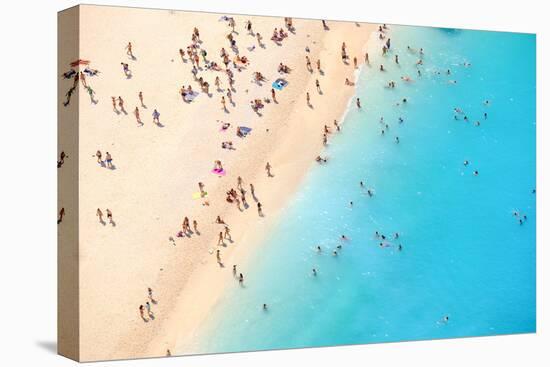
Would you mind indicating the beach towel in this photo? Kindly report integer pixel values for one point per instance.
(197, 195)
(219, 172)
(279, 84)
(191, 96)
(245, 130)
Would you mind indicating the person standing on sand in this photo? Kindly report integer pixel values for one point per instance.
(260, 213)
(114, 104)
(367, 58)
(241, 278)
(273, 96)
(129, 50)
(220, 239)
(109, 160)
(234, 270)
(140, 96)
(99, 214)
(98, 155)
(138, 119)
(318, 85)
(319, 65)
(268, 169)
(195, 226)
(201, 189)
(156, 116)
(240, 182)
(308, 100)
(218, 257)
(109, 216)
(355, 62)
(223, 104)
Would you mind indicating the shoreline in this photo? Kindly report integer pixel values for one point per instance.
(258, 237)
(184, 276)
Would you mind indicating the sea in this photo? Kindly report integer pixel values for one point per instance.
(456, 186)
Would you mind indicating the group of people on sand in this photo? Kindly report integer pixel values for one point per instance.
(108, 162)
(79, 77)
(99, 215)
(145, 311)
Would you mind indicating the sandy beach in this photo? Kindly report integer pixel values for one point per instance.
(157, 167)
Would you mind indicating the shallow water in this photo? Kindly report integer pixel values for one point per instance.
(464, 254)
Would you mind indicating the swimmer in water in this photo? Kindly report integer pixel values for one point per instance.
(476, 172)
(399, 248)
(351, 203)
(334, 253)
(264, 306)
(314, 272)
(361, 184)
(343, 238)
(318, 248)
(466, 163)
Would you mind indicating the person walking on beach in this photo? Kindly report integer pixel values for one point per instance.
(201, 189)
(308, 100)
(240, 182)
(83, 79)
(268, 169)
(252, 190)
(156, 116)
(218, 256)
(319, 65)
(196, 226)
(98, 155)
(150, 295)
(241, 278)
(226, 234)
(358, 103)
(129, 50)
(109, 216)
(125, 68)
(149, 312)
(99, 214)
(114, 104)
(61, 215)
(367, 61)
(223, 104)
(220, 239)
(121, 103)
(355, 62)
(260, 212)
(318, 86)
(109, 160)
(142, 312)
(273, 96)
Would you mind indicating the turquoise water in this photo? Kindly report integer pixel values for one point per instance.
(464, 254)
